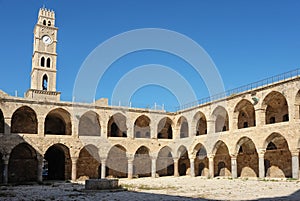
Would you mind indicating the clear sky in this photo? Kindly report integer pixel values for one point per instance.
(247, 40)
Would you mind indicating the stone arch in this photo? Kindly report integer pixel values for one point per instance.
(164, 128)
(142, 127)
(276, 108)
(89, 124)
(245, 113)
(200, 123)
(1, 122)
(58, 122)
(201, 160)
(278, 158)
(142, 162)
(222, 159)
(184, 161)
(45, 82)
(220, 115)
(24, 120)
(117, 162)
(88, 162)
(297, 105)
(58, 160)
(247, 158)
(183, 126)
(23, 164)
(116, 126)
(165, 162)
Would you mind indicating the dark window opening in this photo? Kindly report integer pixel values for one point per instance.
(271, 146)
(49, 23)
(44, 22)
(245, 124)
(224, 128)
(285, 117)
(43, 62)
(272, 120)
(48, 62)
(45, 82)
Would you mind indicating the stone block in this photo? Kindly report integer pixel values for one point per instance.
(101, 184)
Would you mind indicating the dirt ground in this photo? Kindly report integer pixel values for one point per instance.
(164, 188)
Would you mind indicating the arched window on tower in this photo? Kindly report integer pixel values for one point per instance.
(49, 23)
(48, 62)
(42, 61)
(44, 22)
(45, 82)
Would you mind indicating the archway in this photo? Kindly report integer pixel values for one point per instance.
(23, 164)
(59, 163)
(184, 161)
(201, 161)
(116, 126)
(142, 127)
(247, 158)
(221, 119)
(276, 108)
(89, 124)
(24, 121)
(245, 113)
(201, 124)
(58, 122)
(1, 122)
(278, 158)
(164, 162)
(142, 162)
(184, 127)
(117, 162)
(164, 128)
(222, 160)
(88, 162)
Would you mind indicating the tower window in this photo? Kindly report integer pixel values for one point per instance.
(45, 82)
(49, 23)
(42, 61)
(48, 62)
(44, 22)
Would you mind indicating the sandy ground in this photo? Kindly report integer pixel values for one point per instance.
(164, 188)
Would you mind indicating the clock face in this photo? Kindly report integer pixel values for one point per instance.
(46, 39)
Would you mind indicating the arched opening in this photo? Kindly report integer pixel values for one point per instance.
(44, 22)
(116, 126)
(276, 108)
(164, 162)
(49, 23)
(164, 129)
(200, 123)
(22, 166)
(43, 62)
(45, 82)
(142, 162)
(297, 105)
(201, 161)
(247, 158)
(58, 122)
(184, 161)
(24, 121)
(222, 160)
(142, 127)
(88, 163)
(245, 113)
(222, 120)
(59, 163)
(1, 122)
(278, 158)
(184, 127)
(117, 162)
(48, 64)
(89, 124)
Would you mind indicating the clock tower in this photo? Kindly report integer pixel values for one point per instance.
(43, 72)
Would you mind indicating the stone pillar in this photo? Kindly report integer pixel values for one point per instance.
(192, 167)
(295, 164)
(261, 165)
(40, 168)
(153, 167)
(211, 126)
(103, 168)
(260, 117)
(41, 126)
(233, 167)
(130, 129)
(75, 125)
(74, 168)
(130, 168)
(153, 129)
(103, 131)
(176, 172)
(7, 125)
(211, 166)
(5, 168)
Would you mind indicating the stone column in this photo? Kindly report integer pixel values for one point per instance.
(75, 125)
(5, 168)
(74, 168)
(211, 166)
(130, 168)
(153, 167)
(295, 164)
(130, 129)
(210, 126)
(176, 172)
(233, 166)
(260, 117)
(7, 125)
(192, 167)
(40, 168)
(153, 129)
(103, 168)
(41, 126)
(261, 165)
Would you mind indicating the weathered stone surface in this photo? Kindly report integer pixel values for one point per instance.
(101, 184)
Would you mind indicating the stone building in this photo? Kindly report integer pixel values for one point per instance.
(252, 133)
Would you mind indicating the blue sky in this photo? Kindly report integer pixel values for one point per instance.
(247, 40)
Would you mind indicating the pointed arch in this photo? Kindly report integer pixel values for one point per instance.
(1, 122)
(164, 128)
(88, 162)
(48, 63)
(43, 62)
(245, 113)
(182, 123)
(222, 159)
(44, 22)
(117, 162)
(116, 126)
(58, 122)
(24, 120)
(165, 162)
(89, 124)
(142, 127)
(201, 160)
(184, 161)
(45, 82)
(200, 123)
(142, 162)
(220, 115)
